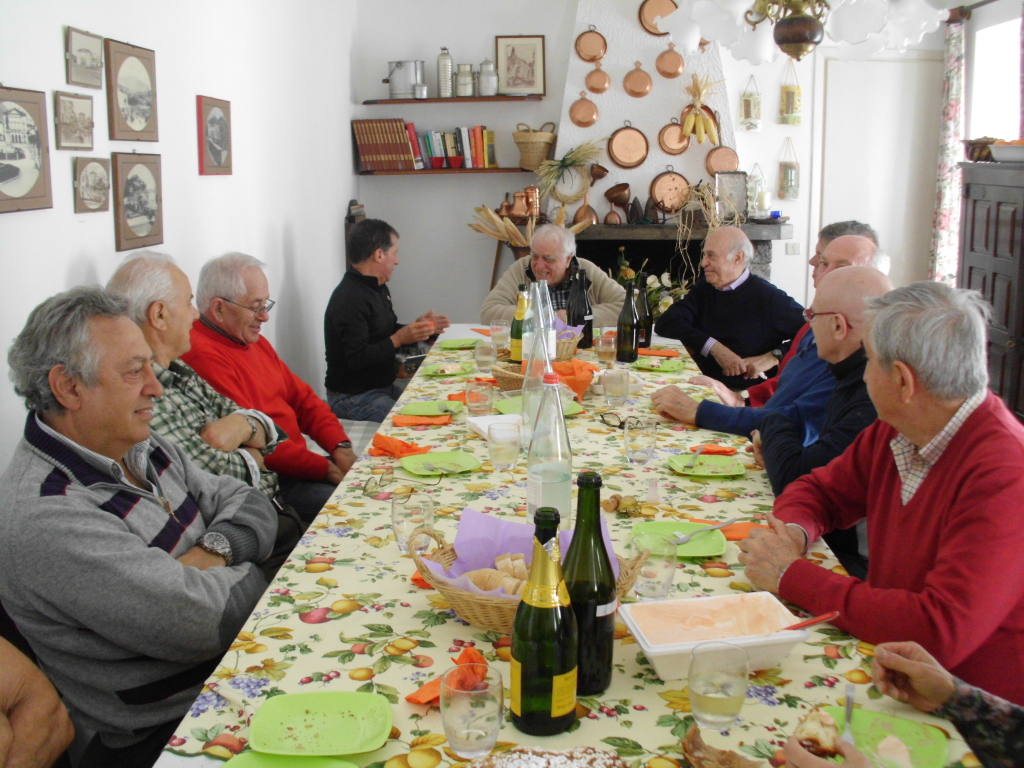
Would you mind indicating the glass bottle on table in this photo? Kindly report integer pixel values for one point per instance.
(645, 327)
(515, 339)
(543, 315)
(578, 311)
(549, 462)
(543, 666)
(538, 365)
(590, 581)
(627, 330)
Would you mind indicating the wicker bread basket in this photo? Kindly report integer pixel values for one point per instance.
(495, 613)
(565, 349)
(534, 146)
(508, 376)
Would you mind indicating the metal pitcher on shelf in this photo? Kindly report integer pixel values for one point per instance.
(402, 77)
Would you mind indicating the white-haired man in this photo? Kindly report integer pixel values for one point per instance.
(939, 478)
(552, 256)
(731, 315)
(230, 353)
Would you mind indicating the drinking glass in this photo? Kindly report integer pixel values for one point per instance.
(503, 444)
(605, 347)
(500, 333)
(486, 355)
(718, 683)
(409, 512)
(472, 699)
(640, 439)
(655, 578)
(479, 397)
(616, 386)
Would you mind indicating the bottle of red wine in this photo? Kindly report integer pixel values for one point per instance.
(579, 311)
(628, 328)
(643, 312)
(590, 580)
(544, 640)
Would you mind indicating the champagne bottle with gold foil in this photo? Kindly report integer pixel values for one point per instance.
(544, 642)
(515, 339)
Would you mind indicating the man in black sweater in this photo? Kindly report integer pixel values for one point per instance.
(361, 330)
(836, 317)
(730, 315)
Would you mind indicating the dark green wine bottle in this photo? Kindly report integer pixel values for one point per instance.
(590, 581)
(643, 312)
(543, 668)
(628, 328)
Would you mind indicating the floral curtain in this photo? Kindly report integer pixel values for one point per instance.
(946, 220)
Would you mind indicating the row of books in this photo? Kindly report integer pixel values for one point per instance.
(394, 145)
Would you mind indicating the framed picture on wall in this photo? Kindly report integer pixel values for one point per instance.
(131, 92)
(92, 184)
(24, 151)
(214, 136)
(138, 201)
(83, 54)
(731, 186)
(72, 119)
(520, 61)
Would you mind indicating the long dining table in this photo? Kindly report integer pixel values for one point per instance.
(343, 613)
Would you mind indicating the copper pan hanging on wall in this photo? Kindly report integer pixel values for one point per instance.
(637, 83)
(650, 9)
(721, 159)
(597, 81)
(583, 111)
(670, 63)
(670, 190)
(627, 147)
(591, 45)
(671, 138)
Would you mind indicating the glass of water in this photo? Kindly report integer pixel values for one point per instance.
(409, 512)
(500, 332)
(639, 439)
(503, 444)
(486, 355)
(479, 397)
(718, 684)
(605, 348)
(616, 386)
(472, 705)
(654, 581)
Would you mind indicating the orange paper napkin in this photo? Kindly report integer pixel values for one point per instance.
(485, 331)
(657, 352)
(734, 532)
(419, 581)
(714, 449)
(575, 374)
(392, 446)
(400, 420)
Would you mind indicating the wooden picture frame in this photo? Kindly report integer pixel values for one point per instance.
(520, 63)
(214, 119)
(24, 151)
(131, 92)
(92, 184)
(72, 120)
(83, 55)
(138, 200)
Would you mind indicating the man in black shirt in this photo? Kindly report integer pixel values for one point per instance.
(361, 330)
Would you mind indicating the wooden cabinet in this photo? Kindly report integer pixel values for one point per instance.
(992, 262)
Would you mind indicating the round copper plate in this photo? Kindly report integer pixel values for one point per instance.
(670, 63)
(671, 139)
(669, 190)
(722, 159)
(583, 111)
(598, 80)
(649, 9)
(637, 83)
(591, 45)
(627, 147)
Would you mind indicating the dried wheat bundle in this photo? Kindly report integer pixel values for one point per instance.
(574, 162)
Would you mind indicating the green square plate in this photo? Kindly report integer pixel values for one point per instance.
(510, 405)
(434, 370)
(458, 343)
(707, 466)
(431, 408)
(710, 544)
(668, 364)
(446, 462)
(321, 723)
(251, 759)
(926, 743)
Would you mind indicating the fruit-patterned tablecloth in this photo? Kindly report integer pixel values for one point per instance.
(342, 613)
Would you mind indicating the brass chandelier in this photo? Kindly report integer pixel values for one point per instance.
(799, 24)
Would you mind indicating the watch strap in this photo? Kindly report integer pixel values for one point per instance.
(216, 544)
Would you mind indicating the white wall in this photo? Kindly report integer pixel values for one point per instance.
(286, 69)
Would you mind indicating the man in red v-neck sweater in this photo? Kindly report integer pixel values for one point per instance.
(940, 479)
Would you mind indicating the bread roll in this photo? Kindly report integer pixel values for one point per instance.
(818, 734)
(519, 569)
(487, 578)
(504, 564)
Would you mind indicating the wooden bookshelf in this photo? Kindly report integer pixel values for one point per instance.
(426, 171)
(455, 100)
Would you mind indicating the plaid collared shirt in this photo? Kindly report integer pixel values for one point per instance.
(189, 404)
(913, 464)
(559, 293)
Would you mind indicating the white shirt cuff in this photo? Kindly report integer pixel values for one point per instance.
(250, 462)
(706, 349)
(266, 421)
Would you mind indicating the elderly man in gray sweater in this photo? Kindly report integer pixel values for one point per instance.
(128, 569)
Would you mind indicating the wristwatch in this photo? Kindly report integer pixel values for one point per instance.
(778, 354)
(216, 544)
(347, 444)
(255, 428)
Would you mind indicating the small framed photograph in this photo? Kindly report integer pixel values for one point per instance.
(520, 60)
(72, 117)
(131, 92)
(24, 151)
(731, 192)
(92, 184)
(138, 201)
(214, 136)
(83, 53)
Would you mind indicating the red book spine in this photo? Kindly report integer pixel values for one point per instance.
(414, 144)
(478, 147)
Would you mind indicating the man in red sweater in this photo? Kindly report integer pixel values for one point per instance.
(940, 478)
(230, 353)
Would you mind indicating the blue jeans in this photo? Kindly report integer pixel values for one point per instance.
(307, 497)
(372, 405)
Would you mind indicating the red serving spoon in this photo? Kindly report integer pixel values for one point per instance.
(814, 620)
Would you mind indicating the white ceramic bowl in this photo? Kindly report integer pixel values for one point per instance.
(672, 661)
(1008, 153)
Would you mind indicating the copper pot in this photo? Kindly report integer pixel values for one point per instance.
(533, 200)
(618, 195)
(585, 212)
(519, 206)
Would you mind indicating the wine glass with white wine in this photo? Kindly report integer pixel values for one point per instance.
(718, 684)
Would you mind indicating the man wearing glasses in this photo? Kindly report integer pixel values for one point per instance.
(228, 351)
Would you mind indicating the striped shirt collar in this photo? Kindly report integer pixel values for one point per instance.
(914, 465)
(220, 331)
(735, 284)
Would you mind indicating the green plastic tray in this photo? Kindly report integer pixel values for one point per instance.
(430, 408)
(927, 745)
(707, 466)
(321, 723)
(446, 462)
(710, 544)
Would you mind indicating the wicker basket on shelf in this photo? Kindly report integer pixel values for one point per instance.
(508, 376)
(495, 613)
(534, 146)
